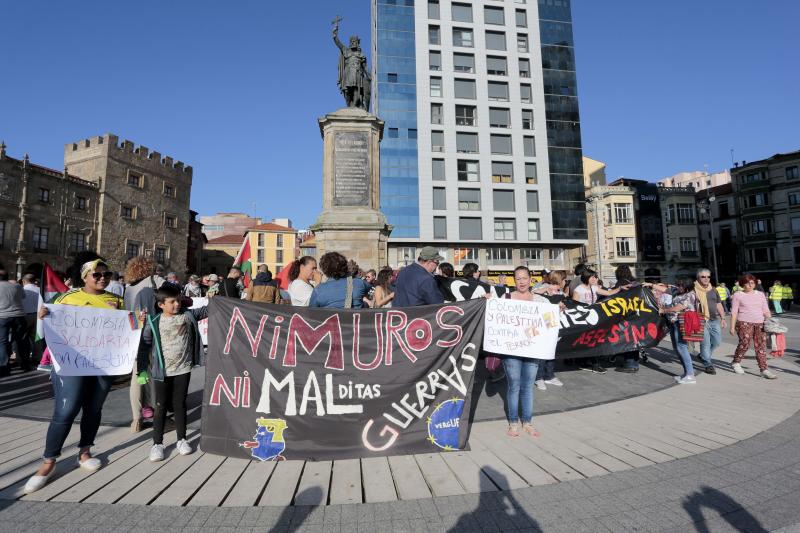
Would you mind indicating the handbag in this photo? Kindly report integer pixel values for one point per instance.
(492, 363)
(692, 326)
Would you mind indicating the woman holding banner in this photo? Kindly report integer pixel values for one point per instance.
(521, 371)
(684, 301)
(587, 293)
(74, 394)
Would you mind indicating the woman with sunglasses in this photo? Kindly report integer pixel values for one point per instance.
(74, 394)
(749, 308)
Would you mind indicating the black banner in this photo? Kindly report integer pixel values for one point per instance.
(302, 383)
(620, 323)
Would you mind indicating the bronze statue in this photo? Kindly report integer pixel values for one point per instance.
(354, 79)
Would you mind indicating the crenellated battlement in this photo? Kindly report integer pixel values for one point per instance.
(127, 150)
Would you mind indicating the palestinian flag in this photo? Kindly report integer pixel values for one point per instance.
(51, 286)
(244, 261)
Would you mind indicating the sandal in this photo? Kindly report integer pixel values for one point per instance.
(530, 430)
(513, 430)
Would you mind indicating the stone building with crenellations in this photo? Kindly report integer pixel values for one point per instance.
(112, 197)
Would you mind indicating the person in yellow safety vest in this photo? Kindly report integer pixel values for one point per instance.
(775, 296)
(788, 297)
(724, 295)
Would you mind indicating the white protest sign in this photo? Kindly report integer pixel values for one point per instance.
(521, 328)
(201, 324)
(89, 341)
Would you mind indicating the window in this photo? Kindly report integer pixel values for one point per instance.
(260, 256)
(439, 227)
(795, 225)
(505, 229)
(495, 40)
(522, 43)
(278, 257)
(498, 91)
(502, 172)
(792, 173)
(160, 254)
(436, 113)
(533, 231)
(496, 66)
(462, 13)
(170, 221)
(80, 203)
(531, 254)
(467, 143)
(2, 233)
(407, 253)
(724, 209)
(437, 170)
(135, 179)
(77, 241)
(529, 146)
(435, 61)
(527, 120)
(279, 243)
(521, 18)
(532, 201)
(433, 9)
(499, 117)
(525, 94)
(468, 171)
(44, 195)
(437, 141)
(761, 255)
(500, 255)
(761, 226)
(753, 177)
(439, 201)
(500, 144)
(393, 133)
(524, 68)
(40, 239)
(758, 199)
(260, 240)
(391, 77)
(794, 198)
(133, 249)
(623, 213)
(412, 133)
(469, 199)
(686, 214)
(530, 174)
(503, 200)
(688, 246)
(494, 15)
(462, 37)
(169, 190)
(434, 36)
(127, 211)
(556, 254)
(465, 255)
(464, 63)
(469, 228)
(465, 115)
(465, 89)
(436, 87)
(624, 247)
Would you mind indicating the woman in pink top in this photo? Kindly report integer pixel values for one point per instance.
(748, 310)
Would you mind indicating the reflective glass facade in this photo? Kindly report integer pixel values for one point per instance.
(395, 101)
(563, 120)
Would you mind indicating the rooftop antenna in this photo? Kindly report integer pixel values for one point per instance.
(733, 162)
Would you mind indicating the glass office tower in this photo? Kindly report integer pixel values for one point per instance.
(481, 154)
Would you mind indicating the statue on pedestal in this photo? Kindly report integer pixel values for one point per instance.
(354, 78)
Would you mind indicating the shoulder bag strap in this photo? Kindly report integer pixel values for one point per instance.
(348, 293)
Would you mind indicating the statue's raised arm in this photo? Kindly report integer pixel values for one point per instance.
(354, 79)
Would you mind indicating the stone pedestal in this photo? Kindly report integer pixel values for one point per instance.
(351, 222)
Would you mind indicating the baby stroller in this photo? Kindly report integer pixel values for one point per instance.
(776, 336)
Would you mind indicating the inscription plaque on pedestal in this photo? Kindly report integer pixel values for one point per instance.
(351, 169)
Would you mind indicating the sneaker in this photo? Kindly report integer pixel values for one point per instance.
(737, 368)
(91, 464)
(184, 448)
(37, 482)
(710, 370)
(45, 368)
(685, 380)
(597, 369)
(555, 381)
(767, 374)
(157, 453)
(540, 384)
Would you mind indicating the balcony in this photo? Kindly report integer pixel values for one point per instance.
(754, 185)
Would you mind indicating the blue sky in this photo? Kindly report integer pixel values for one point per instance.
(235, 88)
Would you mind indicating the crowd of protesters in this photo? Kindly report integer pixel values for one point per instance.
(695, 311)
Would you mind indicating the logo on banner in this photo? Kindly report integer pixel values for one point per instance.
(443, 424)
(268, 442)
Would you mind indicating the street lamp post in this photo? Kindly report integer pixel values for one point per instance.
(707, 206)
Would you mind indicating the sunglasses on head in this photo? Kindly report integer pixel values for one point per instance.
(98, 275)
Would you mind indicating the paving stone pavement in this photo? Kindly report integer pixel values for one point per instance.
(750, 486)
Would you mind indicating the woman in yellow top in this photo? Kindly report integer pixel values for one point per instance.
(74, 394)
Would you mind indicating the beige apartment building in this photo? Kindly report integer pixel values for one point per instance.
(612, 230)
(697, 179)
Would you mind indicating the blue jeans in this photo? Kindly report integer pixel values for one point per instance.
(547, 369)
(681, 347)
(14, 330)
(72, 395)
(520, 374)
(712, 337)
